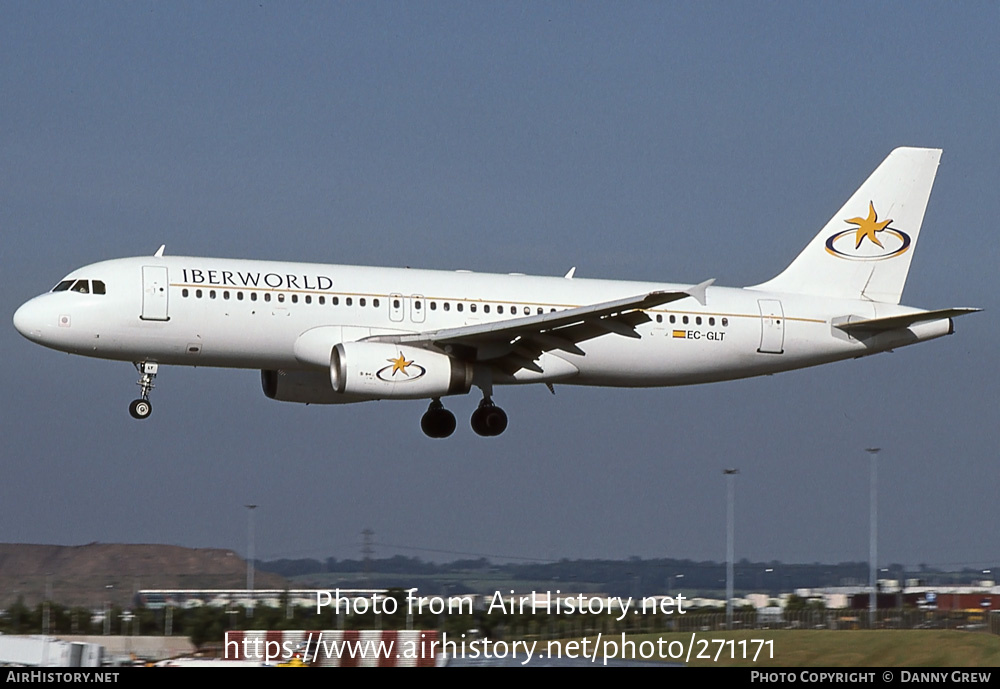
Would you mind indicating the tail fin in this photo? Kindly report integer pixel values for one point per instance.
(864, 251)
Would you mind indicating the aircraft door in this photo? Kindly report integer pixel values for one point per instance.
(417, 304)
(772, 326)
(155, 292)
(395, 307)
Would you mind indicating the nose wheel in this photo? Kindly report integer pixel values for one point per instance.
(437, 422)
(142, 407)
(489, 419)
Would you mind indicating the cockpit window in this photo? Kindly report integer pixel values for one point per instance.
(81, 286)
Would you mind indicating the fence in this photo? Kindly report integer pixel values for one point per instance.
(553, 627)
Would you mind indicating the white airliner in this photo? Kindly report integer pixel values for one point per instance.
(331, 334)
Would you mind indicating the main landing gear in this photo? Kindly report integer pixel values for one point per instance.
(437, 422)
(142, 408)
(488, 420)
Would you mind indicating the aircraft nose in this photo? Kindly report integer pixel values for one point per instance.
(28, 320)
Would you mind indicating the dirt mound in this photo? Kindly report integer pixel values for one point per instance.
(98, 572)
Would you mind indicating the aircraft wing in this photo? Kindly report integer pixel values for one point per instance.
(515, 343)
(876, 325)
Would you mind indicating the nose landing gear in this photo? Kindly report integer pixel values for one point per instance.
(142, 408)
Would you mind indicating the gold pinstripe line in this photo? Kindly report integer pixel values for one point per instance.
(478, 301)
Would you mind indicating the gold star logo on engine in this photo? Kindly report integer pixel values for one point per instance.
(400, 364)
(410, 370)
(867, 227)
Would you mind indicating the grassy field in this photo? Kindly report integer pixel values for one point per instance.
(882, 648)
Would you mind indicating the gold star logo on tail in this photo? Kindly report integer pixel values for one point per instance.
(867, 227)
(400, 364)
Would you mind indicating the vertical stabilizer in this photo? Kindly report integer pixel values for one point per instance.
(864, 251)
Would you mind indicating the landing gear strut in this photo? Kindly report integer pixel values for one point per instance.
(142, 408)
(437, 422)
(489, 419)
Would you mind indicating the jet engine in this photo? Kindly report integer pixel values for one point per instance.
(389, 371)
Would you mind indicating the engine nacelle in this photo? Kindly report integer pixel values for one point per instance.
(388, 371)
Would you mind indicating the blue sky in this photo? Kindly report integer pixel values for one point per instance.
(650, 141)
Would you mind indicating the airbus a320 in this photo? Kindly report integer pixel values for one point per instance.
(335, 334)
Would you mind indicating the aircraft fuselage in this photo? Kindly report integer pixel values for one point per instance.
(226, 313)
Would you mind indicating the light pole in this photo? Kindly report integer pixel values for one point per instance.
(250, 556)
(730, 475)
(108, 588)
(872, 535)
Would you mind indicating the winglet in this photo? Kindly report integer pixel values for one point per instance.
(698, 291)
(569, 275)
(159, 252)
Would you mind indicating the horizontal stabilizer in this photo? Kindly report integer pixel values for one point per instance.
(874, 325)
